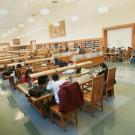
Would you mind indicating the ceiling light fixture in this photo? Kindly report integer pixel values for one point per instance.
(3, 12)
(44, 11)
(14, 29)
(44, 28)
(21, 25)
(17, 36)
(74, 18)
(9, 32)
(30, 20)
(56, 24)
(34, 31)
(69, 1)
(22, 35)
(4, 35)
(103, 9)
(28, 34)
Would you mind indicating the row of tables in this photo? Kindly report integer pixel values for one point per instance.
(81, 78)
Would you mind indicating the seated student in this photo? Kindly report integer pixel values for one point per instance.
(54, 85)
(66, 49)
(17, 67)
(62, 63)
(25, 78)
(7, 72)
(132, 59)
(103, 70)
(56, 61)
(81, 50)
(42, 80)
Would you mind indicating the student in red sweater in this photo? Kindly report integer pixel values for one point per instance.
(26, 78)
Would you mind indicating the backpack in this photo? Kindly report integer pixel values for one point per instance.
(36, 91)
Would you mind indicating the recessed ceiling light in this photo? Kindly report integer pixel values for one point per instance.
(14, 29)
(4, 35)
(3, 12)
(34, 31)
(21, 25)
(103, 9)
(44, 11)
(44, 28)
(30, 20)
(22, 35)
(28, 34)
(56, 24)
(69, 1)
(9, 32)
(74, 18)
(17, 36)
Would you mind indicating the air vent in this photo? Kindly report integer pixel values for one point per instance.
(33, 15)
(55, 1)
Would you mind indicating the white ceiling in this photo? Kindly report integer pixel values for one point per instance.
(19, 10)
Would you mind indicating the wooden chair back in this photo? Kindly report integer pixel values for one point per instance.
(97, 89)
(111, 80)
(65, 111)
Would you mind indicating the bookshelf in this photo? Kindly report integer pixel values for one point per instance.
(94, 43)
(20, 47)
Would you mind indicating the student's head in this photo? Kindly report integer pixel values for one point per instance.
(103, 66)
(55, 77)
(18, 66)
(42, 80)
(70, 62)
(28, 72)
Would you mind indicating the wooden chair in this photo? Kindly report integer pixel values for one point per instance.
(95, 96)
(110, 81)
(61, 117)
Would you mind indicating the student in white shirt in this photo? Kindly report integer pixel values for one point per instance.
(54, 85)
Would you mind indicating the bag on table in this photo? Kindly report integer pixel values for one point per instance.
(36, 91)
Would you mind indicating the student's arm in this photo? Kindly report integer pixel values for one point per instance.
(50, 85)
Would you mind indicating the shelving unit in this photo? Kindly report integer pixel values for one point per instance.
(20, 47)
(72, 44)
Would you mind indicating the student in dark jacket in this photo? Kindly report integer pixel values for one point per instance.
(103, 70)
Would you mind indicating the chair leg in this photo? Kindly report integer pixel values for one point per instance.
(102, 105)
(113, 92)
(92, 110)
(62, 123)
(76, 118)
(51, 116)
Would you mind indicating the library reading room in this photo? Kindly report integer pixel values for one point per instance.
(67, 67)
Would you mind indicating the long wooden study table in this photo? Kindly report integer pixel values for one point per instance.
(96, 58)
(81, 78)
